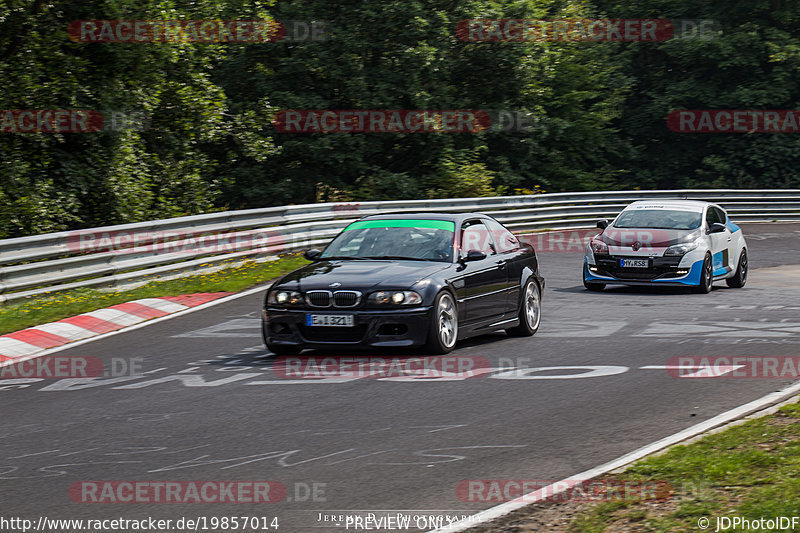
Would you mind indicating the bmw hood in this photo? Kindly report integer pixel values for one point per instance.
(359, 275)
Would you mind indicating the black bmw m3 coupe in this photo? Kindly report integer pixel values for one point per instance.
(398, 280)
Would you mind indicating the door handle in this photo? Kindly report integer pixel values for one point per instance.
(500, 264)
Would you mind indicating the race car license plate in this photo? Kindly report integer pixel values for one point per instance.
(339, 321)
(633, 263)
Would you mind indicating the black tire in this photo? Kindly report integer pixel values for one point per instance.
(443, 327)
(706, 277)
(530, 311)
(740, 278)
(594, 287)
(590, 285)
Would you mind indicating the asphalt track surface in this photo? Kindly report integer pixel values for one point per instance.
(382, 445)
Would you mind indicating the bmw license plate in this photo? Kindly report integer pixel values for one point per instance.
(634, 263)
(339, 321)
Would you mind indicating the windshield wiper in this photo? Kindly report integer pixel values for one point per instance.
(398, 257)
(345, 257)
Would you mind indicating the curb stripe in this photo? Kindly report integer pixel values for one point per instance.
(30, 342)
(118, 317)
(162, 304)
(200, 298)
(38, 338)
(142, 311)
(11, 348)
(91, 323)
(68, 331)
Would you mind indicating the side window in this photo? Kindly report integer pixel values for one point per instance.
(503, 239)
(476, 236)
(721, 218)
(711, 217)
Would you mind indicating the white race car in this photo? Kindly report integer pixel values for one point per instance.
(667, 242)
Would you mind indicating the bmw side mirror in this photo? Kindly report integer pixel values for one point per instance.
(716, 227)
(602, 224)
(475, 255)
(313, 254)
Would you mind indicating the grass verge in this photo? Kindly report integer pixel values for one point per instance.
(748, 471)
(49, 307)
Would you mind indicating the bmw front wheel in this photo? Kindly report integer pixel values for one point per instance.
(443, 329)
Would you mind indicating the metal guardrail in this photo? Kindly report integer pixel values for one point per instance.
(115, 254)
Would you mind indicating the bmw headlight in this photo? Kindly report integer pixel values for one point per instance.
(395, 298)
(280, 297)
(680, 249)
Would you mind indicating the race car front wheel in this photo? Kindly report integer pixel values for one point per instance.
(591, 285)
(740, 278)
(706, 277)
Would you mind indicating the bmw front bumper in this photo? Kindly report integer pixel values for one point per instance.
(372, 328)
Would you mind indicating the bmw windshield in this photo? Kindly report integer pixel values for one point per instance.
(659, 219)
(420, 240)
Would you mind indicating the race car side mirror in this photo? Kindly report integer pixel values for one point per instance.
(716, 227)
(602, 224)
(312, 255)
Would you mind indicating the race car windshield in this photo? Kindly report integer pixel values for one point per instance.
(421, 240)
(659, 219)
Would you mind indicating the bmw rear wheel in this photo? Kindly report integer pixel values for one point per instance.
(443, 329)
(530, 311)
(740, 278)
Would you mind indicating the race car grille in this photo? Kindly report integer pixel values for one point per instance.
(346, 298)
(335, 299)
(323, 334)
(660, 267)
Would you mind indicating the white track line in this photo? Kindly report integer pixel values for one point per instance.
(527, 499)
(206, 305)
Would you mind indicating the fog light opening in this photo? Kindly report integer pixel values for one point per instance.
(392, 329)
(279, 328)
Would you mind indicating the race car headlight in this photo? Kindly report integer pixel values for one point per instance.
(395, 297)
(598, 247)
(284, 297)
(680, 249)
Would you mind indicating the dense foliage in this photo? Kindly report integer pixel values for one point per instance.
(206, 142)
